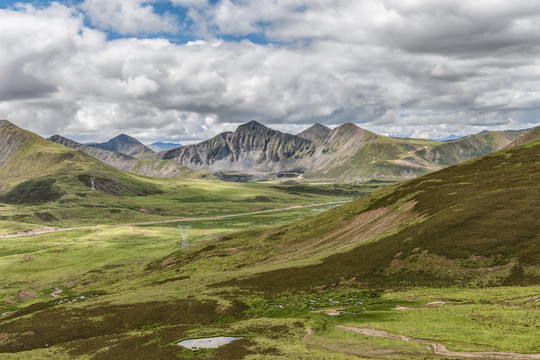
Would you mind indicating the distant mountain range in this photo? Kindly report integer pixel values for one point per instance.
(121, 161)
(346, 153)
(128, 145)
(160, 146)
(449, 138)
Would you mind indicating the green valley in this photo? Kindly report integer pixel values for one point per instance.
(444, 265)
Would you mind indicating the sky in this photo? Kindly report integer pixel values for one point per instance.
(186, 70)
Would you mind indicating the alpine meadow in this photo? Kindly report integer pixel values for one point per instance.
(229, 180)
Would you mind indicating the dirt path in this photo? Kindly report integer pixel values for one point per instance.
(45, 230)
(440, 349)
(56, 293)
(309, 333)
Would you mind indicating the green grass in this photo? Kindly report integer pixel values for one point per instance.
(165, 199)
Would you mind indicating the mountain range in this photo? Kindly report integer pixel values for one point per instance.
(124, 162)
(345, 153)
(160, 146)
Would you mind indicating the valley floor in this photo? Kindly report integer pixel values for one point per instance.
(133, 292)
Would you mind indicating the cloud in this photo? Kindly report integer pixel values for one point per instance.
(129, 17)
(406, 67)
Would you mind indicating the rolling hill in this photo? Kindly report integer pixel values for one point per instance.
(33, 169)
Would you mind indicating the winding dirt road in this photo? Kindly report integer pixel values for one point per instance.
(45, 230)
(440, 349)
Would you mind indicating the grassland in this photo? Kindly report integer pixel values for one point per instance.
(451, 257)
(166, 199)
(125, 297)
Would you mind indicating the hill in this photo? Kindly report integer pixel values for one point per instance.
(125, 144)
(34, 170)
(475, 224)
(346, 153)
(532, 135)
(147, 167)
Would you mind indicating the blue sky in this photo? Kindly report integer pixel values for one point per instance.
(185, 70)
(159, 7)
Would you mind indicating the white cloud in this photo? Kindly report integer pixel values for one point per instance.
(128, 17)
(451, 66)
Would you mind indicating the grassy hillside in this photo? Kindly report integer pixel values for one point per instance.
(475, 224)
(457, 151)
(533, 135)
(33, 163)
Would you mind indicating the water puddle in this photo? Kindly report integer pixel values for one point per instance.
(207, 343)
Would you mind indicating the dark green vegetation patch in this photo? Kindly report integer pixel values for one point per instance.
(60, 325)
(33, 191)
(112, 186)
(354, 191)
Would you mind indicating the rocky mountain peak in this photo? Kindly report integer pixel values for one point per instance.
(5, 124)
(317, 131)
(252, 126)
(124, 144)
(59, 139)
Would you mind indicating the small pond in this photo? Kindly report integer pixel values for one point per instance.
(207, 343)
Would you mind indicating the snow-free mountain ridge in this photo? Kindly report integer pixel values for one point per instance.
(160, 146)
(147, 167)
(124, 144)
(346, 153)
